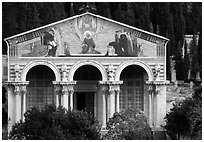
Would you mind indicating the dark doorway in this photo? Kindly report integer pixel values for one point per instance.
(85, 101)
(40, 88)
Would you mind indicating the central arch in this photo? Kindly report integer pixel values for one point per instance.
(96, 64)
(86, 90)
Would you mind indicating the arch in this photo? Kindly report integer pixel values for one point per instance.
(144, 65)
(35, 63)
(96, 64)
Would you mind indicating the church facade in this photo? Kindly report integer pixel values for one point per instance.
(88, 62)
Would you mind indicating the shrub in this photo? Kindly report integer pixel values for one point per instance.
(185, 118)
(129, 124)
(56, 123)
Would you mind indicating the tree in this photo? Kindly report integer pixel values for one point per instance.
(129, 124)
(56, 123)
(186, 62)
(185, 118)
(100, 6)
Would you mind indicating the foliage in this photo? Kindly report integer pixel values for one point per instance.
(129, 124)
(185, 118)
(56, 123)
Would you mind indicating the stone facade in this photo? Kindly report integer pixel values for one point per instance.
(107, 79)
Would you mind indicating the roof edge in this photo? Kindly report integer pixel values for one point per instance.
(60, 21)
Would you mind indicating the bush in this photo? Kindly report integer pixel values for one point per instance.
(185, 118)
(56, 123)
(129, 124)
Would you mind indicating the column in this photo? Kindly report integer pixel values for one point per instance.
(11, 106)
(117, 100)
(24, 92)
(65, 93)
(71, 99)
(104, 109)
(57, 93)
(150, 106)
(112, 103)
(114, 91)
(95, 105)
(17, 103)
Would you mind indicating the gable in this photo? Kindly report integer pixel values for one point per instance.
(106, 38)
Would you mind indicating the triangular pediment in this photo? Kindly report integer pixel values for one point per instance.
(71, 33)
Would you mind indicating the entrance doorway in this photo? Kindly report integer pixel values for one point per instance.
(86, 89)
(85, 101)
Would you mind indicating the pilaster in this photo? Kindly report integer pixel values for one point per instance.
(157, 103)
(57, 93)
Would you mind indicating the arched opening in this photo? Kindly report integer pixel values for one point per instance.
(133, 88)
(85, 96)
(40, 88)
(87, 72)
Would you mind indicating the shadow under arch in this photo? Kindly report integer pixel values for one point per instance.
(96, 64)
(142, 64)
(30, 65)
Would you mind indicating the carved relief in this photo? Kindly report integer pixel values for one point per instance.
(17, 72)
(111, 72)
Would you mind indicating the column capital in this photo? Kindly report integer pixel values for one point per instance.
(114, 85)
(153, 89)
(19, 86)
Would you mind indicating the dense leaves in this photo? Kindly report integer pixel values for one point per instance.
(56, 124)
(128, 125)
(185, 118)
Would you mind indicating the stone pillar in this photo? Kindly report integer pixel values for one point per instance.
(71, 98)
(157, 103)
(114, 87)
(151, 106)
(104, 110)
(95, 105)
(117, 101)
(24, 92)
(57, 93)
(65, 93)
(102, 103)
(68, 91)
(17, 103)
(112, 103)
(11, 105)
